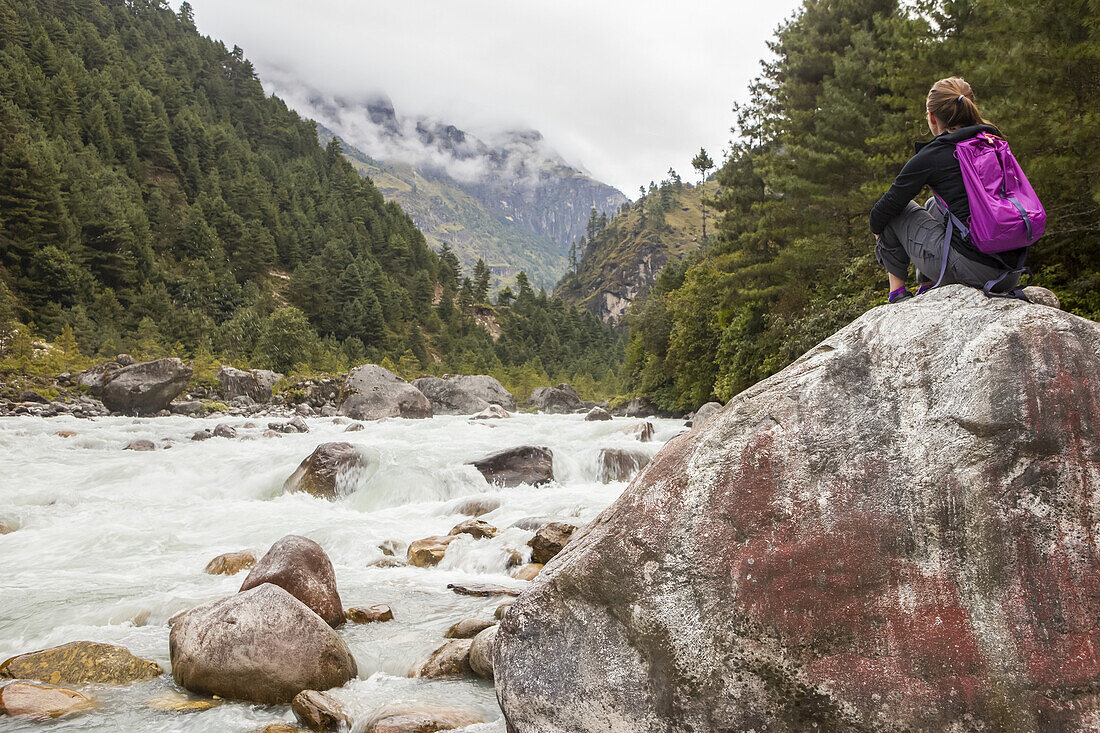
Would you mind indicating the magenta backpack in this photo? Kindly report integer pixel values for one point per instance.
(1005, 212)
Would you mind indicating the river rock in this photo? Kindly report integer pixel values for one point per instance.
(230, 563)
(255, 384)
(371, 393)
(203, 434)
(481, 653)
(462, 394)
(448, 661)
(642, 431)
(597, 414)
(187, 407)
(318, 710)
(557, 400)
(637, 407)
(140, 445)
(221, 430)
(482, 590)
(530, 571)
(328, 472)
(429, 551)
(299, 566)
(889, 534)
(175, 702)
(476, 528)
(355, 427)
(526, 464)
(620, 464)
(7, 527)
(388, 562)
(376, 614)
(477, 506)
(81, 663)
(145, 388)
(551, 538)
(41, 702)
(492, 412)
(262, 645)
(418, 718)
(502, 609)
(467, 628)
(1042, 296)
(704, 413)
(95, 377)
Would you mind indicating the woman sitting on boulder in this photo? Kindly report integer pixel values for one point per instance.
(906, 232)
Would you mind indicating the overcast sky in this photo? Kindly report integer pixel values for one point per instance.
(624, 88)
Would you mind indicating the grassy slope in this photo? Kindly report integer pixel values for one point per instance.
(612, 266)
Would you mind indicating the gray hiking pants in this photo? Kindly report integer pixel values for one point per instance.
(916, 235)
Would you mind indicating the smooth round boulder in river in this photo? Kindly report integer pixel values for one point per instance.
(476, 528)
(492, 412)
(418, 718)
(549, 540)
(467, 628)
(145, 388)
(449, 661)
(893, 533)
(378, 613)
(427, 552)
(81, 663)
(262, 645)
(41, 702)
(328, 472)
(704, 413)
(526, 464)
(299, 566)
(464, 394)
(372, 393)
(230, 563)
(319, 711)
(481, 653)
(597, 414)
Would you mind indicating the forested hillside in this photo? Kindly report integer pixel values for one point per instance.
(831, 120)
(617, 260)
(154, 200)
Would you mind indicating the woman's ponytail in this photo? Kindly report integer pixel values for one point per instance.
(951, 101)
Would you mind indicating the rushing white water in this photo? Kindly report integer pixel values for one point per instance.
(112, 543)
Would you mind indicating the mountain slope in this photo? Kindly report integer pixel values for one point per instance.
(447, 214)
(622, 261)
(535, 196)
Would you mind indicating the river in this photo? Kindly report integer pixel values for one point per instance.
(112, 543)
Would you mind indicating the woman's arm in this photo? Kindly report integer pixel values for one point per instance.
(908, 184)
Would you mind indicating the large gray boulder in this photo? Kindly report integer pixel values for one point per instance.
(372, 393)
(328, 472)
(145, 388)
(255, 384)
(559, 400)
(525, 464)
(464, 394)
(300, 567)
(893, 533)
(704, 413)
(262, 645)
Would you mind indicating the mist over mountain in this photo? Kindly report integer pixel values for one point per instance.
(515, 174)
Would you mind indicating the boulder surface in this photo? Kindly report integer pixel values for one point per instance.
(262, 645)
(557, 400)
(464, 394)
(526, 464)
(255, 384)
(328, 472)
(372, 393)
(893, 533)
(299, 566)
(41, 702)
(81, 663)
(145, 388)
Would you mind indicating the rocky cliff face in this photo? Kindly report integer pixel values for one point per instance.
(897, 532)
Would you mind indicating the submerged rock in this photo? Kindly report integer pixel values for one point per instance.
(619, 464)
(370, 615)
(557, 400)
(418, 718)
(145, 388)
(463, 394)
(301, 567)
(174, 702)
(641, 431)
(371, 393)
(597, 414)
(482, 590)
(478, 506)
(141, 445)
(526, 464)
(41, 702)
(492, 412)
(889, 534)
(448, 661)
(7, 527)
(327, 472)
(262, 645)
(230, 563)
(222, 430)
(81, 663)
(476, 528)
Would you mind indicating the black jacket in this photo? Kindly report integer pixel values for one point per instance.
(935, 165)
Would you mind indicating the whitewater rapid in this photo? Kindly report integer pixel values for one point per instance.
(112, 543)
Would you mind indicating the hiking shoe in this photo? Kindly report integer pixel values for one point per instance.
(896, 296)
(925, 288)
